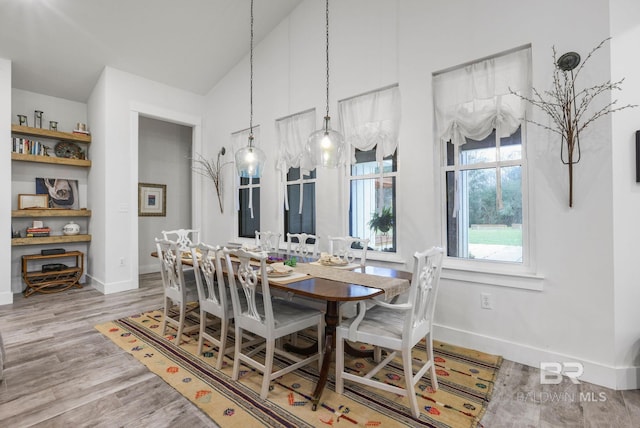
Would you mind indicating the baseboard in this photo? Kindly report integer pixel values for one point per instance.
(112, 287)
(6, 298)
(596, 373)
(152, 268)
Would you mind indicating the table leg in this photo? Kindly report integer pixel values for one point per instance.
(331, 321)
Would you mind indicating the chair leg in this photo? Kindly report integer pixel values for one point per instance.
(434, 377)
(223, 342)
(339, 365)
(268, 368)
(377, 354)
(163, 326)
(236, 359)
(181, 318)
(410, 386)
(320, 346)
(203, 326)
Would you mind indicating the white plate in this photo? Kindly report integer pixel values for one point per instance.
(330, 263)
(279, 274)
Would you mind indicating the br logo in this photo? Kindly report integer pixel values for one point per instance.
(551, 372)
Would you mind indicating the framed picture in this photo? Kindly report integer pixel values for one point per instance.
(63, 193)
(152, 199)
(26, 201)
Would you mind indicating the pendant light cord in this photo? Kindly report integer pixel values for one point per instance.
(327, 51)
(251, 82)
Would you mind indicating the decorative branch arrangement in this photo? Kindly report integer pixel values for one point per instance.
(212, 170)
(567, 109)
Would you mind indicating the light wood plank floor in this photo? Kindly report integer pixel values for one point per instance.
(61, 372)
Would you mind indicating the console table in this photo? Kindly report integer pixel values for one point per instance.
(52, 281)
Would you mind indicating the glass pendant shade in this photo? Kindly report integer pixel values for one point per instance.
(325, 146)
(250, 162)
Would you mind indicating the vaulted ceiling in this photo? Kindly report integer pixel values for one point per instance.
(60, 47)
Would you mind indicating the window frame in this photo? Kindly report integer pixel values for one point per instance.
(297, 183)
(349, 178)
(251, 186)
(518, 275)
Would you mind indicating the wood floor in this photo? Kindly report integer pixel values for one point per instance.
(60, 372)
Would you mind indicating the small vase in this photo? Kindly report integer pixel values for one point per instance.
(71, 228)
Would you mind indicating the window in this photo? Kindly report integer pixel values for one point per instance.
(301, 220)
(486, 222)
(298, 178)
(372, 207)
(248, 218)
(479, 119)
(371, 124)
(248, 196)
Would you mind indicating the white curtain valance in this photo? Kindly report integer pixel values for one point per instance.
(239, 140)
(372, 120)
(473, 100)
(293, 132)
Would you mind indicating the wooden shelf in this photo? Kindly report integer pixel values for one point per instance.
(50, 159)
(52, 281)
(56, 135)
(56, 239)
(50, 213)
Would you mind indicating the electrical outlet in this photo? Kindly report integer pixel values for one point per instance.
(486, 302)
(121, 261)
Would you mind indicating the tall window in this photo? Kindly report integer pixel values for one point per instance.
(479, 124)
(372, 208)
(486, 222)
(248, 196)
(301, 192)
(371, 124)
(249, 212)
(298, 179)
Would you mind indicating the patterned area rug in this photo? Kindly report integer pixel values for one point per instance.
(465, 378)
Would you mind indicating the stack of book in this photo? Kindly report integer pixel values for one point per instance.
(35, 232)
(26, 146)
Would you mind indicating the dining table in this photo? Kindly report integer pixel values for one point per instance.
(334, 285)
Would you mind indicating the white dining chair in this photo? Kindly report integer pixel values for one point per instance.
(185, 238)
(177, 291)
(266, 317)
(268, 241)
(213, 297)
(396, 327)
(343, 247)
(298, 245)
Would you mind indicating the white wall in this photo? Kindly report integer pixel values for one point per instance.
(6, 297)
(375, 43)
(625, 30)
(115, 105)
(164, 158)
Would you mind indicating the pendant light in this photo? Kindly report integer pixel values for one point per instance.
(250, 160)
(325, 146)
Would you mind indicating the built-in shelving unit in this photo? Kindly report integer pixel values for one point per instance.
(47, 281)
